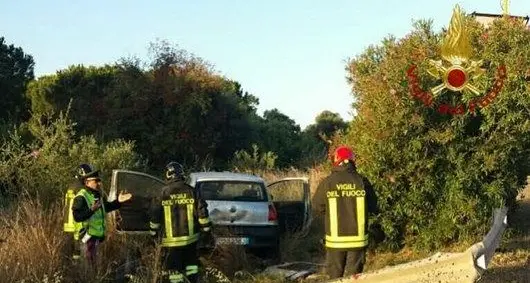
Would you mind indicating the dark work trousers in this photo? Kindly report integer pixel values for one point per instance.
(342, 263)
(90, 249)
(180, 262)
(72, 246)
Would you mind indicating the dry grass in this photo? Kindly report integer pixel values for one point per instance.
(33, 248)
(315, 175)
(32, 245)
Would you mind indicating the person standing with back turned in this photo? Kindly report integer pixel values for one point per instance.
(345, 198)
(177, 217)
(70, 227)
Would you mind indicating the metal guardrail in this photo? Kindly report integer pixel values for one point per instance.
(463, 267)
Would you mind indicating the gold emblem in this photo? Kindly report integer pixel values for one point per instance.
(456, 70)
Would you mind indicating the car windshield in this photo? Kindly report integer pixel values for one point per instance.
(232, 191)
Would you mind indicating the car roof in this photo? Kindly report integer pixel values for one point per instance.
(224, 176)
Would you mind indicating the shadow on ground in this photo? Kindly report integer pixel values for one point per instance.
(513, 274)
(511, 262)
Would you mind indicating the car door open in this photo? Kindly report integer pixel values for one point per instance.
(291, 197)
(133, 216)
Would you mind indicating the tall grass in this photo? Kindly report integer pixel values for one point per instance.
(33, 245)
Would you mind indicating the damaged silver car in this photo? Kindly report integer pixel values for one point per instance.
(244, 210)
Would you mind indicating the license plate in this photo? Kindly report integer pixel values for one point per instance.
(232, 241)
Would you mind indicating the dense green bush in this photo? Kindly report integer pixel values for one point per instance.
(46, 166)
(253, 162)
(438, 176)
(178, 107)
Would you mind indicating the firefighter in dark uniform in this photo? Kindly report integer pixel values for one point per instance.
(345, 198)
(177, 217)
(70, 227)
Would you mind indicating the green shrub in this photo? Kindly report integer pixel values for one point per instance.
(439, 177)
(244, 161)
(45, 167)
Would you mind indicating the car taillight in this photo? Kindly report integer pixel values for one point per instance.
(273, 215)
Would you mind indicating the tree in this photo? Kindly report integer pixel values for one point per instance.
(16, 70)
(316, 138)
(327, 123)
(281, 135)
(440, 176)
(177, 108)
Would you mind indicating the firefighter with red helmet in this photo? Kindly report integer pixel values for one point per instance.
(345, 198)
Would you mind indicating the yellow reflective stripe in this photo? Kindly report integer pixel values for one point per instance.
(168, 224)
(153, 225)
(333, 225)
(152, 233)
(360, 216)
(179, 241)
(206, 229)
(192, 269)
(176, 277)
(69, 226)
(190, 219)
(75, 257)
(70, 196)
(341, 239)
(204, 221)
(335, 241)
(347, 244)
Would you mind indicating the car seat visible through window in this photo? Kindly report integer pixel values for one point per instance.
(250, 193)
(210, 191)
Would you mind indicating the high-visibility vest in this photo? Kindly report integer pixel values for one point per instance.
(180, 224)
(347, 218)
(182, 215)
(95, 225)
(69, 225)
(169, 238)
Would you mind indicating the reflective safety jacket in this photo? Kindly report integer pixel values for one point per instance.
(345, 198)
(92, 222)
(70, 225)
(178, 215)
(95, 225)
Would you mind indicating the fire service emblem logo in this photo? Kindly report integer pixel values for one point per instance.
(456, 71)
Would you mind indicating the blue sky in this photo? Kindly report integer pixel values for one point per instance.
(291, 54)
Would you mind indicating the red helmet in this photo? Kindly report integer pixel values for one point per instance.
(343, 153)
